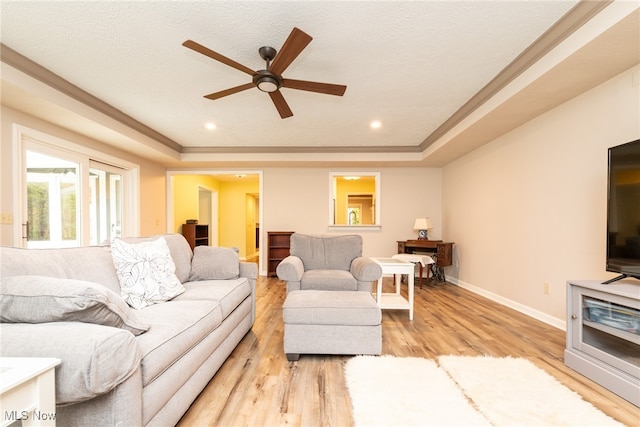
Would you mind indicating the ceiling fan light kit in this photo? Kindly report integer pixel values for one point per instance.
(270, 79)
(266, 81)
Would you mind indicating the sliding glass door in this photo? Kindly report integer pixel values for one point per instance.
(53, 201)
(105, 205)
(73, 198)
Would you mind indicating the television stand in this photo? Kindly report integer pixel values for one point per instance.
(603, 334)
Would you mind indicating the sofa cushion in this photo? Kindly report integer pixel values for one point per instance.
(210, 263)
(176, 327)
(331, 308)
(90, 263)
(41, 299)
(95, 359)
(326, 252)
(146, 272)
(229, 293)
(328, 280)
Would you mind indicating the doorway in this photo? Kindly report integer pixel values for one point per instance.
(208, 212)
(232, 195)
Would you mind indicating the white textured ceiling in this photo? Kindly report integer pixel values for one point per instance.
(410, 65)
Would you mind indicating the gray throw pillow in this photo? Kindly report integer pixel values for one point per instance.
(42, 299)
(210, 263)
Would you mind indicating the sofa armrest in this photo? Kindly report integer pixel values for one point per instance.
(290, 269)
(365, 269)
(94, 358)
(249, 270)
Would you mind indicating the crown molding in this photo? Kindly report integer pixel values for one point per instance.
(42, 74)
(575, 18)
(299, 149)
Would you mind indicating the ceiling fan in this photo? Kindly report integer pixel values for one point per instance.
(270, 79)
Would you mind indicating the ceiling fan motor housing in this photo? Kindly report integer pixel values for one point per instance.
(266, 81)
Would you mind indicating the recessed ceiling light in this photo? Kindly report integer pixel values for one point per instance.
(210, 126)
(376, 124)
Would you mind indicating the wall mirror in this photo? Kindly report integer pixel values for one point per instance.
(354, 199)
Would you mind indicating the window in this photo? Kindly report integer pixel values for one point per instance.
(354, 199)
(70, 195)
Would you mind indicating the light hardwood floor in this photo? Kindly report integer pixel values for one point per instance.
(257, 386)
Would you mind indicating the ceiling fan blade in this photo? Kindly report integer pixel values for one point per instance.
(231, 91)
(218, 57)
(326, 88)
(290, 50)
(281, 104)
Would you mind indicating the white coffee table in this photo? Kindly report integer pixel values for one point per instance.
(27, 391)
(395, 301)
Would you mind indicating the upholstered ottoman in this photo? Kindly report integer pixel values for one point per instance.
(331, 322)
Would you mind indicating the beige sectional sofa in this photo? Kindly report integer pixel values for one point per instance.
(123, 366)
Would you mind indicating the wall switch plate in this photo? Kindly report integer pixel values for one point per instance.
(6, 218)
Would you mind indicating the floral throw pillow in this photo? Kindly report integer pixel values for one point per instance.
(146, 272)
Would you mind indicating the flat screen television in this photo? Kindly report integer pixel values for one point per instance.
(623, 211)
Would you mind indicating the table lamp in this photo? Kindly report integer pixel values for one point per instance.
(422, 225)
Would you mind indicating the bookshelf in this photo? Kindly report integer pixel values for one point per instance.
(196, 234)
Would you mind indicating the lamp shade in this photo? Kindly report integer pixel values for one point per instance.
(422, 224)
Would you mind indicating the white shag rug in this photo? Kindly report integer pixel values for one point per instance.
(462, 391)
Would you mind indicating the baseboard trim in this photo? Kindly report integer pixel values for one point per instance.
(531, 312)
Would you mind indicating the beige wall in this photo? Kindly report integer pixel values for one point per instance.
(153, 199)
(152, 177)
(298, 200)
(530, 207)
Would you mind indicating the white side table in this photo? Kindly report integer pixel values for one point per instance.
(27, 391)
(394, 300)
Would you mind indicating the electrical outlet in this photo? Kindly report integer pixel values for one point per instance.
(546, 289)
(6, 218)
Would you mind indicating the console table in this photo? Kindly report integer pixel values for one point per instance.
(443, 252)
